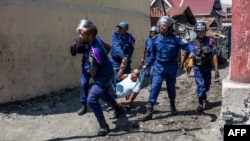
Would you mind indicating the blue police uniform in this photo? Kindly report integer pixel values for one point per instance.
(122, 47)
(148, 46)
(85, 75)
(82, 48)
(102, 80)
(203, 66)
(164, 56)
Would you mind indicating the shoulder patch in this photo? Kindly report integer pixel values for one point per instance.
(131, 39)
(95, 55)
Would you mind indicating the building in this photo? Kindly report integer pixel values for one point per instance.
(209, 11)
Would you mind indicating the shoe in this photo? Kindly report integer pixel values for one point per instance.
(146, 117)
(118, 111)
(205, 97)
(104, 131)
(206, 103)
(149, 114)
(82, 110)
(104, 128)
(199, 109)
(173, 108)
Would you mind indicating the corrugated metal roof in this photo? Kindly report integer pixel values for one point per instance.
(184, 10)
(170, 4)
(220, 12)
(198, 7)
(174, 12)
(156, 12)
(210, 21)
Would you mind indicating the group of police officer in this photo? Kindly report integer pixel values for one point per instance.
(164, 54)
(161, 53)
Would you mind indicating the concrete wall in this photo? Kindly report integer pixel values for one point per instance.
(35, 38)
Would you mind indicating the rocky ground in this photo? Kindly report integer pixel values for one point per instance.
(54, 117)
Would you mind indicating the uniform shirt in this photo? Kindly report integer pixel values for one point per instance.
(148, 46)
(203, 51)
(206, 42)
(167, 49)
(82, 48)
(128, 86)
(122, 47)
(98, 58)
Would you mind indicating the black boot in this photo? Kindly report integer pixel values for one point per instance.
(104, 128)
(199, 108)
(118, 111)
(149, 113)
(172, 108)
(205, 101)
(205, 97)
(83, 109)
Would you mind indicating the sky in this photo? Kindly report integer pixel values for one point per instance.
(226, 2)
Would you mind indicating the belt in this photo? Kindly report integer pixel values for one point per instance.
(165, 63)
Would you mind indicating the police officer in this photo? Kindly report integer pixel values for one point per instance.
(164, 55)
(205, 54)
(122, 47)
(78, 46)
(101, 71)
(154, 30)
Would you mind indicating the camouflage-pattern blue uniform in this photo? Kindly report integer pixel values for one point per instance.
(148, 45)
(122, 47)
(81, 48)
(205, 54)
(102, 80)
(203, 66)
(164, 56)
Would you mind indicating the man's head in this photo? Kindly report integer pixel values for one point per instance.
(154, 30)
(88, 34)
(165, 23)
(122, 28)
(83, 24)
(135, 74)
(200, 28)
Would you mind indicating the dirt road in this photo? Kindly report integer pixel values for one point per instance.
(54, 117)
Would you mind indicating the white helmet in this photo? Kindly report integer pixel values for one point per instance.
(83, 24)
(165, 20)
(200, 26)
(154, 29)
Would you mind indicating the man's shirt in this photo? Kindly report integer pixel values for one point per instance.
(128, 86)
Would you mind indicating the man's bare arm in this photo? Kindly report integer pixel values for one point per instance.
(129, 100)
(123, 66)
